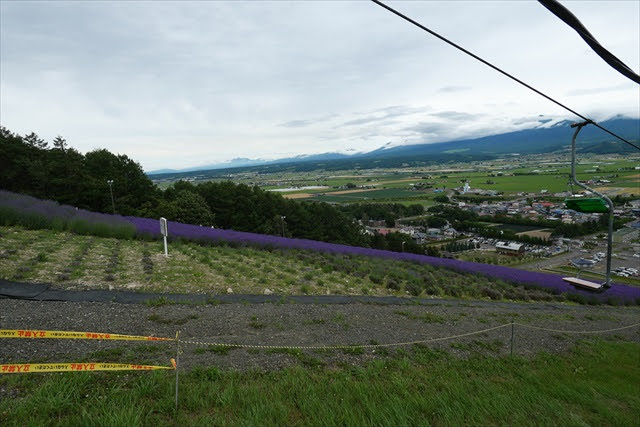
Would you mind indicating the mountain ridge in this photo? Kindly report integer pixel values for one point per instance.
(541, 139)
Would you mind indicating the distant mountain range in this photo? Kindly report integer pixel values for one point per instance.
(542, 139)
(244, 162)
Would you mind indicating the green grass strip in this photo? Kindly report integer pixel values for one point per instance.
(595, 384)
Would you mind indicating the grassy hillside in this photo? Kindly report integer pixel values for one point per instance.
(594, 385)
(71, 261)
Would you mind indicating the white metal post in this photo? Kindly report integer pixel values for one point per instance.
(165, 232)
(166, 252)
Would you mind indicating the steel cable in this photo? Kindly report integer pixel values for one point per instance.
(487, 63)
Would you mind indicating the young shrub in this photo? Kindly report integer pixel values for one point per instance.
(376, 278)
(491, 293)
(393, 285)
(413, 288)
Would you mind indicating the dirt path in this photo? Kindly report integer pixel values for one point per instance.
(297, 324)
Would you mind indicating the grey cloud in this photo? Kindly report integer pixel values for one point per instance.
(450, 89)
(297, 123)
(596, 90)
(399, 110)
(429, 128)
(240, 73)
(382, 114)
(307, 122)
(455, 115)
(362, 120)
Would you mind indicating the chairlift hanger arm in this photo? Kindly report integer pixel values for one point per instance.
(579, 127)
(573, 177)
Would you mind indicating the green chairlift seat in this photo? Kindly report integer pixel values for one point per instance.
(587, 205)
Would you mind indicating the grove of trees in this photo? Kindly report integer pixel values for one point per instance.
(29, 165)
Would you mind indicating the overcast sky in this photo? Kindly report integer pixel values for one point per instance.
(183, 84)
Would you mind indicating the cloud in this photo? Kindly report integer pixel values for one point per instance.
(362, 120)
(429, 128)
(381, 115)
(210, 81)
(456, 115)
(297, 123)
(598, 90)
(308, 122)
(451, 89)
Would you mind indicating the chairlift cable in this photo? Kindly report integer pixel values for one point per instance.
(487, 63)
(571, 20)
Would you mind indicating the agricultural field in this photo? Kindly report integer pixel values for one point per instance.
(530, 174)
(70, 261)
(492, 257)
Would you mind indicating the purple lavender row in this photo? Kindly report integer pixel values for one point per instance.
(549, 281)
(50, 209)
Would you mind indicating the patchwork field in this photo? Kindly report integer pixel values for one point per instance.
(509, 177)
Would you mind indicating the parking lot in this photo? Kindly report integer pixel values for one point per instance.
(625, 261)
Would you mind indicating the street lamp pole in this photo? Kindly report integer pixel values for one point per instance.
(403, 246)
(282, 217)
(113, 204)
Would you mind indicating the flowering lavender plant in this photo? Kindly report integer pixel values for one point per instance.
(30, 212)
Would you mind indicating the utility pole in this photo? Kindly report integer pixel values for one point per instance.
(403, 246)
(113, 204)
(282, 217)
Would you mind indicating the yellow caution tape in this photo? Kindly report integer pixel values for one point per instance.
(27, 368)
(31, 333)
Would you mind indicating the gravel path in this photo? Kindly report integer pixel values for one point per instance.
(297, 324)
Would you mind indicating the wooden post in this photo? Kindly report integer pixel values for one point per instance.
(512, 330)
(177, 365)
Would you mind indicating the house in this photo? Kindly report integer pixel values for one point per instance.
(434, 233)
(450, 233)
(407, 230)
(583, 263)
(383, 231)
(419, 237)
(510, 248)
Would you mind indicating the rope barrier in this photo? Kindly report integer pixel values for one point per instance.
(84, 335)
(338, 347)
(578, 332)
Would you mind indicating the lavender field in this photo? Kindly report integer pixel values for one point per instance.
(618, 293)
(32, 213)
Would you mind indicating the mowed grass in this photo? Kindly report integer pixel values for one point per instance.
(70, 261)
(595, 384)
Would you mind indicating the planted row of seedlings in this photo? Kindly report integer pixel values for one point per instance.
(74, 269)
(12, 251)
(112, 264)
(30, 266)
(147, 262)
